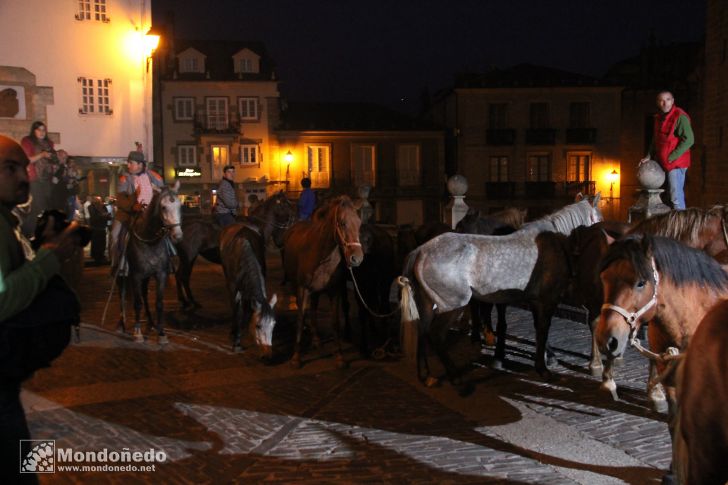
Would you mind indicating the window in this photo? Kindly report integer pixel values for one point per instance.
(92, 10)
(497, 116)
(248, 108)
(498, 169)
(578, 167)
(539, 116)
(220, 157)
(408, 165)
(249, 155)
(184, 109)
(186, 155)
(319, 161)
(190, 64)
(245, 65)
(362, 165)
(217, 113)
(579, 115)
(95, 96)
(538, 168)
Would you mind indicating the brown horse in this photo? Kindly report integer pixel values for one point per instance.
(316, 254)
(700, 447)
(663, 282)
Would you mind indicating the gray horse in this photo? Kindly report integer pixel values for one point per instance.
(531, 265)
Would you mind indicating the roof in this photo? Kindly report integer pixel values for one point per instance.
(219, 60)
(319, 116)
(526, 76)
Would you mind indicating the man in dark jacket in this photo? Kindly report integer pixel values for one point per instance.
(227, 203)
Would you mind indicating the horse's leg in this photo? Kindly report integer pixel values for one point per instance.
(672, 411)
(476, 320)
(313, 319)
(145, 299)
(186, 276)
(303, 302)
(121, 283)
(500, 342)
(137, 289)
(179, 279)
(595, 364)
(335, 309)
(658, 344)
(608, 383)
(542, 321)
(438, 337)
(236, 324)
(159, 304)
(488, 334)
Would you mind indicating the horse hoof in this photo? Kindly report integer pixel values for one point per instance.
(432, 382)
(163, 340)
(659, 406)
(545, 374)
(551, 361)
(496, 364)
(295, 363)
(611, 387)
(138, 336)
(618, 361)
(466, 389)
(489, 340)
(668, 479)
(237, 348)
(596, 370)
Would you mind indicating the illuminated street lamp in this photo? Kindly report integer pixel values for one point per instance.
(151, 42)
(288, 158)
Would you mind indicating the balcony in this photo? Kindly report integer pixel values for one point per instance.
(500, 190)
(540, 136)
(500, 137)
(587, 187)
(581, 136)
(540, 190)
(204, 126)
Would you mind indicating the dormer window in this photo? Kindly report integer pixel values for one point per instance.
(191, 60)
(246, 62)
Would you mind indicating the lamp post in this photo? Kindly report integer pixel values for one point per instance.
(288, 158)
(150, 41)
(613, 178)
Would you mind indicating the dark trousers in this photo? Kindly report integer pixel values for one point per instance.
(13, 428)
(224, 219)
(98, 243)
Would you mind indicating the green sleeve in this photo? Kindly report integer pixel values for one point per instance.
(20, 287)
(684, 132)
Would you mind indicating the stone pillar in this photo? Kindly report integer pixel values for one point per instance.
(366, 210)
(651, 176)
(456, 209)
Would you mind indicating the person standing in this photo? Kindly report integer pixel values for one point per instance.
(98, 218)
(134, 192)
(39, 150)
(307, 201)
(672, 138)
(22, 282)
(227, 204)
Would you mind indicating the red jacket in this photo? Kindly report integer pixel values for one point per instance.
(666, 141)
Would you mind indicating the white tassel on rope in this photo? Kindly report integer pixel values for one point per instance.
(410, 321)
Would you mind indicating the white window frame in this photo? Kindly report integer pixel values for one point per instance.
(214, 119)
(191, 64)
(363, 171)
(246, 65)
(186, 155)
(248, 108)
(95, 10)
(249, 155)
(498, 168)
(318, 160)
(409, 171)
(95, 96)
(184, 109)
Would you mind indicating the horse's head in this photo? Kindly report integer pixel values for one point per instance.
(346, 230)
(595, 214)
(170, 211)
(262, 323)
(630, 281)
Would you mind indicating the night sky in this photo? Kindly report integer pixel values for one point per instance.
(389, 51)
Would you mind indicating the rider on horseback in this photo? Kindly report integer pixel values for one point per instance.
(134, 192)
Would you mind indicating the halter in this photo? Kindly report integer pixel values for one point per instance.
(338, 232)
(163, 231)
(632, 318)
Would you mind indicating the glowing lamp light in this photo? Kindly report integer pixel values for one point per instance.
(151, 41)
(288, 157)
(614, 176)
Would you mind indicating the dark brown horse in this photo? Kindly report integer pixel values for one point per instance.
(242, 250)
(202, 237)
(700, 447)
(317, 253)
(663, 282)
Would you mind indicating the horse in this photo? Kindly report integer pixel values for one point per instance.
(317, 253)
(373, 278)
(148, 256)
(661, 281)
(271, 217)
(700, 445)
(242, 251)
(445, 273)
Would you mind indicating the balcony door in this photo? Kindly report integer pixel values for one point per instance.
(220, 157)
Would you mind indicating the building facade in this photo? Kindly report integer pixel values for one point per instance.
(82, 68)
(533, 137)
(342, 147)
(219, 103)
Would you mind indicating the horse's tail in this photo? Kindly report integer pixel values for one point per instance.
(410, 316)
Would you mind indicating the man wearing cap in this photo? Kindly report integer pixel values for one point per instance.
(134, 192)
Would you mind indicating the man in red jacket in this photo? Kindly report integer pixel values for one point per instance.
(671, 142)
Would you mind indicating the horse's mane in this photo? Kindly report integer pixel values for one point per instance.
(322, 213)
(684, 225)
(565, 219)
(681, 264)
(511, 216)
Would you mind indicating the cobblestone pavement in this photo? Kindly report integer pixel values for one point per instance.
(223, 417)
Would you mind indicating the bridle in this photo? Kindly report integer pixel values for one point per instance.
(339, 234)
(162, 231)
(633, 318)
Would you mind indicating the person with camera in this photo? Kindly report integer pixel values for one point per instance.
(43, 164)
(37, 308)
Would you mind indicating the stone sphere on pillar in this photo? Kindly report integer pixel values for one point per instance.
(457, 185)
(651, 175)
